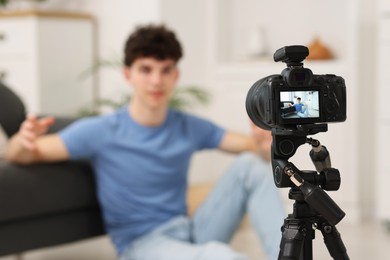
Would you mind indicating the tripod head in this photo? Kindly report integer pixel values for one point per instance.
(285, 143)
(306, 185)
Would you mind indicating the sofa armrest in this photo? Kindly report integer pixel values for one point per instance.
(41, 189)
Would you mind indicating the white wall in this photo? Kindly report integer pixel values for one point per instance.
(367, 81)
(115, 20)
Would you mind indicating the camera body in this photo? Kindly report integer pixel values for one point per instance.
(296, 96)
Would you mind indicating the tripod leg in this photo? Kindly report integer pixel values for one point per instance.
(293, 237)
(307, 251)
(333, 242)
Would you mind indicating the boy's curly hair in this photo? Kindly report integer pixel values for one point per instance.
(154, 41)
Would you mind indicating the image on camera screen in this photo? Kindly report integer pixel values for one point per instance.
(299, 104)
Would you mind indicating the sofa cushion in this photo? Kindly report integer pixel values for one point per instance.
(34, 190)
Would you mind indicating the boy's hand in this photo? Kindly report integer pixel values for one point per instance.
(31, 129)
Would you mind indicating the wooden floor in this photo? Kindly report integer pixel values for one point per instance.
(363, 241)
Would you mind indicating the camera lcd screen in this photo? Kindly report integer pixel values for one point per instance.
(299, 104)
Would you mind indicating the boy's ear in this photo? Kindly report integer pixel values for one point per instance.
(126, 73)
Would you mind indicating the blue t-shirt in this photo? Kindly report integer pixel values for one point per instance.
(141, 172)
(298, 107)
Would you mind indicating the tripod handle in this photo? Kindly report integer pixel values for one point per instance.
(319, 155)
(319, 200)
(320, 158)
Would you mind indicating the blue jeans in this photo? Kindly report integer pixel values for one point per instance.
(247, 186)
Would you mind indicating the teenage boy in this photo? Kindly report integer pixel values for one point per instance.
(141, 154)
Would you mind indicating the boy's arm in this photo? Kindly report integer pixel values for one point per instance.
(31, 144)
(259, 142)
(235, 143)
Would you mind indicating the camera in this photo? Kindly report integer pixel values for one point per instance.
(296, 96)
(295, 104)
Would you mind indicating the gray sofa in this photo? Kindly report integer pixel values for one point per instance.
(46, 205)
(43, 204)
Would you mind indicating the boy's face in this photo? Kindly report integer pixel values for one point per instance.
(153, 81)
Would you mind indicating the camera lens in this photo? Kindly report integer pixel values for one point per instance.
(255, 105)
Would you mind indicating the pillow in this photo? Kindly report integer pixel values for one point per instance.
(12, 111)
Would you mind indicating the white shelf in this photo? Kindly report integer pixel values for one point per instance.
(42, 55)
(240, 26)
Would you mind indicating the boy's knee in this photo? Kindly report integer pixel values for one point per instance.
(253, 162)
(251, 168)
(250, 159)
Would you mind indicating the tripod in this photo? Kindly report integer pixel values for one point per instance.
(298, 232)
(313, 208)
